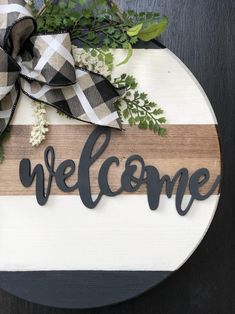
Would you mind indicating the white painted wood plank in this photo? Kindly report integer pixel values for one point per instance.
(120, 234)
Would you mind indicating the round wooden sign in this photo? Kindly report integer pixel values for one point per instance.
(143, 204)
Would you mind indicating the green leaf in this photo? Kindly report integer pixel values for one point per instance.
(134, 31)
(107, 41)
(157, 111)
(143, 125)
(128, 57)
(134, 40)
(111, 30)
(162, 132)
(154, 30)
(162, 120)
(114, 45)
(100, 3)
(108, 58)
(123, 38)
(126, 45)
(82, 2)
(93, 53)
(125, 113)
(143, 96)
(100, 57)
(131, 121)
(72, 4)
(91, 35)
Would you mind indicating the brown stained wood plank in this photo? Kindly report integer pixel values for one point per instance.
(190, 146)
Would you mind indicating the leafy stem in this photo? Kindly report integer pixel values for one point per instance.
(137, 109)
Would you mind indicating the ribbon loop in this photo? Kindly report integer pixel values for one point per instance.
(48, 59)
(45, 68)
(9, 73)
(16, 25)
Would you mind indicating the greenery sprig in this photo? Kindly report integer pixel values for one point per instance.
(137, 109)
(100, 23)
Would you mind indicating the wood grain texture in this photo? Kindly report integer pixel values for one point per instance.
(185, 146)
(200, 33)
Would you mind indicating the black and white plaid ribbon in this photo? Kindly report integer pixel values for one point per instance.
(44, 68)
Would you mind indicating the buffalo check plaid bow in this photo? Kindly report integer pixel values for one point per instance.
(43, 67)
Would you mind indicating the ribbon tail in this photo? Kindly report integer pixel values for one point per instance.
(7, 107)
(9, 88)
(91, 99)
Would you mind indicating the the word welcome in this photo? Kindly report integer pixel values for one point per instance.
(129, 181)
